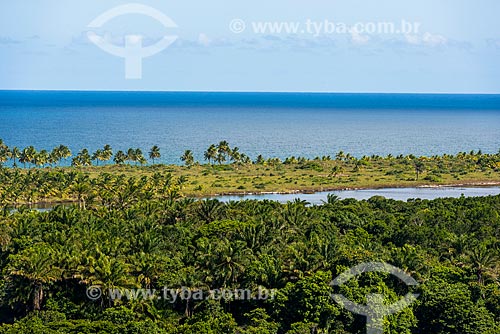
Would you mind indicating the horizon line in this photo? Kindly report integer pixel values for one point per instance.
(243, 92)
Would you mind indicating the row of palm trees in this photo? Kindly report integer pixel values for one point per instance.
(222, 152)
(30, 156)
(216, 153)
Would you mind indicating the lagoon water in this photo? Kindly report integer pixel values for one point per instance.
(271, 124)
(401, 194)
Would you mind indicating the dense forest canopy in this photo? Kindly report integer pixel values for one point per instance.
(149, 237)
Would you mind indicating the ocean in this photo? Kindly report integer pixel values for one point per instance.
(271, 124)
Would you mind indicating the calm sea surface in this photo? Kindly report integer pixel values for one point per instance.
(272, 124)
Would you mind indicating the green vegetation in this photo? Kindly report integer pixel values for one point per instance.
(128, 233)
(228, 172)
(135, 226)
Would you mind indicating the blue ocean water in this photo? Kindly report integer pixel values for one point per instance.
(271, 124)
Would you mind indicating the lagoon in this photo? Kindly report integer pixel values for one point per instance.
(402, 194)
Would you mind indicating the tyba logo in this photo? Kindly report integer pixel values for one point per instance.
(375, 309)
(133, 51)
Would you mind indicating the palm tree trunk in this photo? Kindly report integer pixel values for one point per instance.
(187, 311)
(38, 298)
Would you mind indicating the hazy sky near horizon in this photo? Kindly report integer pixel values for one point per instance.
(456, 49)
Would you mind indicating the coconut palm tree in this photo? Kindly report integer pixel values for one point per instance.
(188, 158)
(53, 157)
(235, 155)
(81, 189)
(419, 167)
(106, 271)
(60, 153)
(340, 156)
(154, 153)
(131, 155)
(223, 151)
(5, 154)
(484, 261)
(98, 156)
(82, 159)
(231, 258)
(85, 157)
(260, 160)
(15, 154)
(336, 170)
(210, 154)
(139, 157)
(36, 264)
(64, 152)
(41, 158)
(107, 153)
(120, 158)
(27, 155)
(245, 159)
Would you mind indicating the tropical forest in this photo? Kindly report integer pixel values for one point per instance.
(118, 242)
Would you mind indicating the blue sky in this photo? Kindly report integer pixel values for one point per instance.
(44, 45)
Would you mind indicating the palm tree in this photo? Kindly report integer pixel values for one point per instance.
(63, 152)
(59, 153)
(37, 264)
(154, 153)
(336, 170)
(106, 271)
(82, 159)
(5, 154)
(230, 262)
(340, 156)
(107, 153)
(188, 158)
(85, 157)
(27, 155)
(484, 261)
(98, 155)
(220, 158)
(245, 159)
(120, 158)
(139, 157)
(81, 188)
(210, 154)
(223, 150)
(209, 210)
(15, 154)
(419, 167)
(41, 158)
(131, 155)
(53, 157)
(235, 154)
